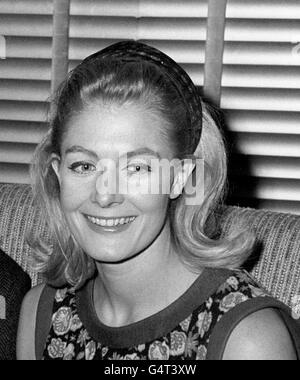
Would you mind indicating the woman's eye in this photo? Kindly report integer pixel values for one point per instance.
(82, 168)
(139, 168)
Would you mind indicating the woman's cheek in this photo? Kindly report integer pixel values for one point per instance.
(74, 193)
(154, 184)
(151, 203)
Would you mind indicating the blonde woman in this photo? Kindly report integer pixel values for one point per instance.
(133, 274)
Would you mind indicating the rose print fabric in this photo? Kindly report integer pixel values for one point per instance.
(70, 339)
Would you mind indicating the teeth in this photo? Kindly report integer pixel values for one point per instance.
(110, 222)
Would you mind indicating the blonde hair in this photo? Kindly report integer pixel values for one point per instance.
(61, 259)
(196, 228)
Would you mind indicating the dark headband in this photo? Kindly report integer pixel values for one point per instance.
(137, 51)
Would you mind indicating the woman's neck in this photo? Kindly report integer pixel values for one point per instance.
(132, 291)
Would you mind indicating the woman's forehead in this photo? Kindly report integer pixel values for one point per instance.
(116, 129)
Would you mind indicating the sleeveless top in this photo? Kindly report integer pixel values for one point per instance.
(195, 327)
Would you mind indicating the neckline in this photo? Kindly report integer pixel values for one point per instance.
(155, 326)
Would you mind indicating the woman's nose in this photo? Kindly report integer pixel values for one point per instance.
(105, 191)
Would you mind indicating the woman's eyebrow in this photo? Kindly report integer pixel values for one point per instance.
(141, 152)
(80, 149)
(138, 152)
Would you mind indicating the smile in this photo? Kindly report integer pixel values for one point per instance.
(110, 222)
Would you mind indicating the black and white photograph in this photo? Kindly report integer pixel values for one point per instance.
(150, 183)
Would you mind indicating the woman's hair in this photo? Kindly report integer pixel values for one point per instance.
(111, 82)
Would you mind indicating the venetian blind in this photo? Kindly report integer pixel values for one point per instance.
(174, 26)
(261, 97)
(177, 27)
(25, 75)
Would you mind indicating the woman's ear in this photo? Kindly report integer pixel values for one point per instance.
(55, 163)
(181, 178)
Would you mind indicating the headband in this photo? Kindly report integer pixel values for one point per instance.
(132, 51)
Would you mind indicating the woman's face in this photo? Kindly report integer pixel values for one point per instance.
(110, 225)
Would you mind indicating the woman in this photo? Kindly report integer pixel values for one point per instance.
(133, 274)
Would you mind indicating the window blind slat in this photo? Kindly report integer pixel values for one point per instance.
(261, 77)
(262, 30)
(29, 69)
(261, 53)
(22, 132)
(264, 9)
(14, 173)
(132, 28)
(143, 8)
(264, 122)
(23, 111)
(39, 7)
(26, 25)
(116, 8)
(261, 99)
(111, 27)
(174, 8)
(16, 153)
(270, 189)
(28, 47)
(33, 91)
(192, 29)
(258, 144)
(266, 167)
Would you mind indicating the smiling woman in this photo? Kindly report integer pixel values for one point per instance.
(139, 275)
(94, 211)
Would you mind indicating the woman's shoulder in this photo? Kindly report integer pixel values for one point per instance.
(248, 317)
(262, 335)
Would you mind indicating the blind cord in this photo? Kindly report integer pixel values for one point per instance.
(214, 50)
(60, 48)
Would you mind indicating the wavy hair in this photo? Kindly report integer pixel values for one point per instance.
(62, 260)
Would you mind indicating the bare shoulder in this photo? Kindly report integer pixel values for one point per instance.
(261, 336)
(26, 331)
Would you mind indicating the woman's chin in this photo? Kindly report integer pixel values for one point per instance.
(110, 257)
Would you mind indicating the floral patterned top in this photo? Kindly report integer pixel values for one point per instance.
(195, 327)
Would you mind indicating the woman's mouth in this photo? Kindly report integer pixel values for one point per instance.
(115, 225)
(111, 222)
